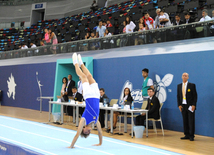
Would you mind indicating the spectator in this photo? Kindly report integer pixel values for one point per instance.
(153, 107)
(42, 43)
(24, 46)
(212, 26)
(178, 20)
(87, 35)
(123, 41)
(166, 19)
(32, 45)
(54, 40)
(205, 16)
(162, 18)
(107, 43)
(106, 4)
(177, 34)
(94, 6)
(47, 37)
(149, 21)
(93, 45)
(140, 39)
(104, 23)
(103, 97)
(109, 23)
(188, 18)
(100, 30)
(127, 100)
(130, 26)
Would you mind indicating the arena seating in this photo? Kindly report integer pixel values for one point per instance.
(74, 27)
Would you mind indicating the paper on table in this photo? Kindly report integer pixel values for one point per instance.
(190, 109)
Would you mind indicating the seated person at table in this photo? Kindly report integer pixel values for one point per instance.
(153, 107)
(76, 97)
(102, 112)
(127, 100)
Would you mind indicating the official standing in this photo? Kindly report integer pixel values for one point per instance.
(187, 98)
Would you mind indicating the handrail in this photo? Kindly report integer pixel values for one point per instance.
(163, 34)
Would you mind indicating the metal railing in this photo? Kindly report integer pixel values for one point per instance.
(181, 32)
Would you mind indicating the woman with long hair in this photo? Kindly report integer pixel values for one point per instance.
(127, 99)
(53, 40)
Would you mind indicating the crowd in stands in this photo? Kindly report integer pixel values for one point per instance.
(127, 17)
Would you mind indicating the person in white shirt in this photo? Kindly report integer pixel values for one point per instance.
(107, 43)
(24, 46)
(212, 27)
(106, 3)
(205, 16)
(162, 18)
(130, 26)
(79, 84)
(32, 45)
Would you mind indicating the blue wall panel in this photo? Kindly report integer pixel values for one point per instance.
(111, 74)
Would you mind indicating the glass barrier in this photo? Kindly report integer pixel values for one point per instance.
(182, 32)
(6, 25)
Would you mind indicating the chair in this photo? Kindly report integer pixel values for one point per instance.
(158, 120)
(112, 102)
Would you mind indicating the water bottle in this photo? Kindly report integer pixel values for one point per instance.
(104, 100)
(132, 105)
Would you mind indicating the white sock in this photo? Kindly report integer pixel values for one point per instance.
(74, 57)
(80, 60)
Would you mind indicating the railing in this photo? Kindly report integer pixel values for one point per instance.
(8, 25)
(22, 2)
(186, 31)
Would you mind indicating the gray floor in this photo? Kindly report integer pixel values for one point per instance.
(192, 45)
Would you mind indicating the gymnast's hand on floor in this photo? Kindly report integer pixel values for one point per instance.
(96, 144)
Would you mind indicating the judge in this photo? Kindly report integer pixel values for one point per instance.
(186, 99)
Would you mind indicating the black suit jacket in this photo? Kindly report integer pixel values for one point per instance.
(78, 97)
(180, 23)
(191, 94)
(104, 96)
(153, 106)
(190, 21)
(71, 84)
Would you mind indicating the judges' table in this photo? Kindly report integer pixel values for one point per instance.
(111, 109)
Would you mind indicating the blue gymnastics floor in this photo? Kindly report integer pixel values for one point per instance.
(34, 138)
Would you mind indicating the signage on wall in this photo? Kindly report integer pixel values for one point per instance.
(38, 6)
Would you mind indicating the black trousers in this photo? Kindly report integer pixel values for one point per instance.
(188, 121)
(102, 118)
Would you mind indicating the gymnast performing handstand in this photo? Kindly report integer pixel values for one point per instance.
(91, 95)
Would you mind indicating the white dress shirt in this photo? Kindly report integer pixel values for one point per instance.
(68, 85)
(206, 18)
(79, 84)
(184, 98)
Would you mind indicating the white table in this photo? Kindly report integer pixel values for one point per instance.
(111, 109)
(132, 118)
(44, 97)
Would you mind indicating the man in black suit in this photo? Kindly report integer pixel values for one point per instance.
(190, 31)
(187, 98)
(153, 108)
(103, 97)
(178, 20)
(70, 85)
(76, 97)
(188, 18)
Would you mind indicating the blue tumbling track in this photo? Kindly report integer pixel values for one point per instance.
(18, 136)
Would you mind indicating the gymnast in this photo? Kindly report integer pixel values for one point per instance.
(91, 94)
